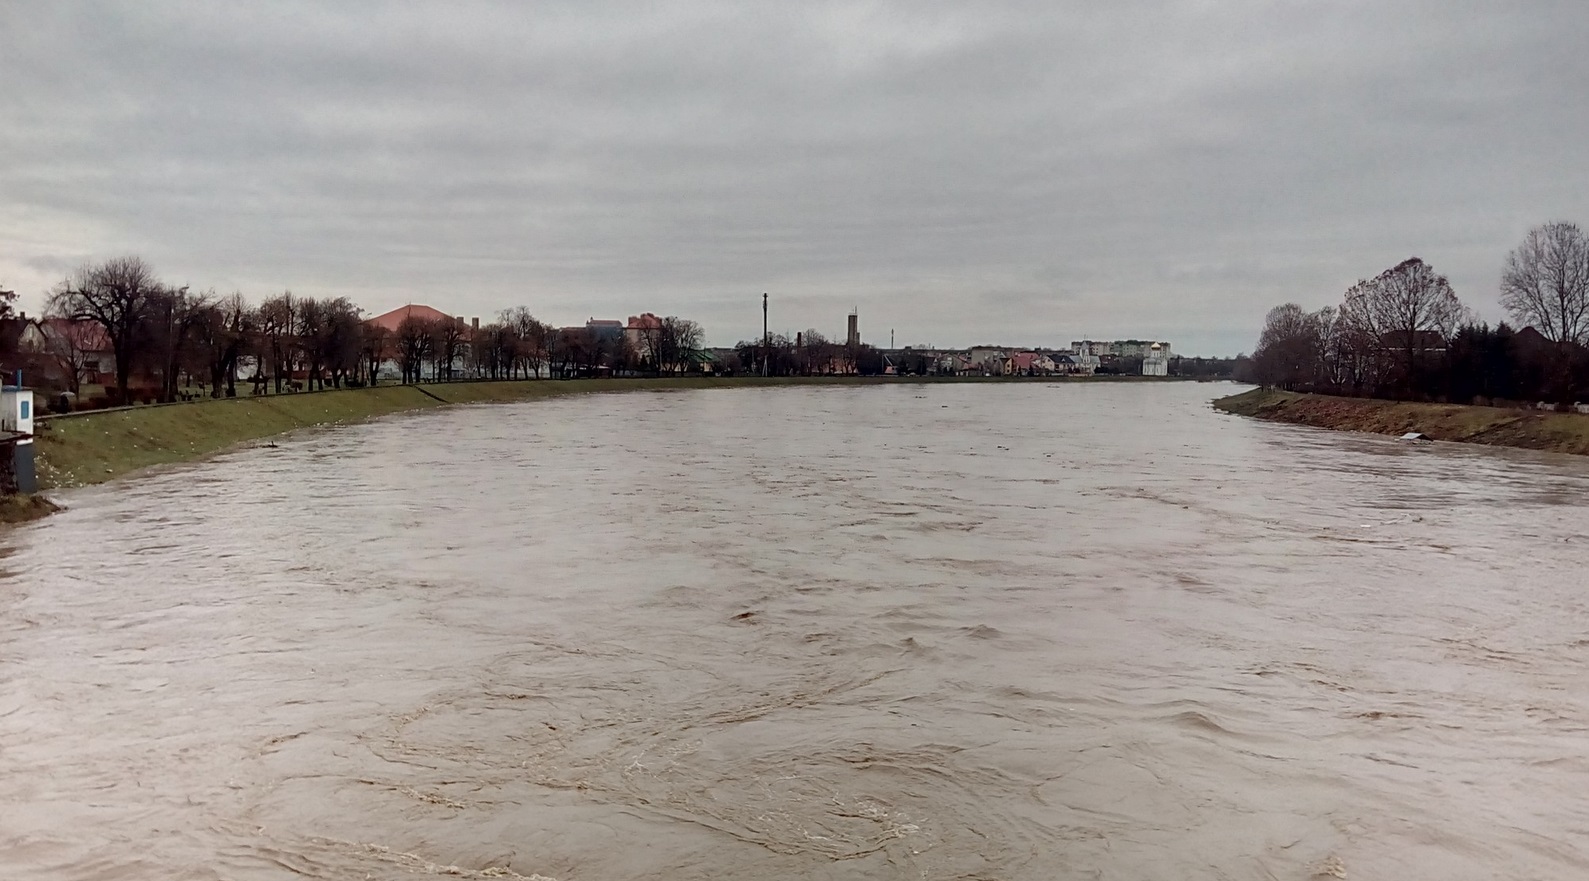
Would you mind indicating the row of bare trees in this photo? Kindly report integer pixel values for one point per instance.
(808, 354)
(166, 332)
(517, 344)
(160, 335)
(1405, 334)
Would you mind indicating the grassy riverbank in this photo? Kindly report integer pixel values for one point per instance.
(97, 446)
(1494, 426)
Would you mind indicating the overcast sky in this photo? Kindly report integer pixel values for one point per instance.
(962, 173)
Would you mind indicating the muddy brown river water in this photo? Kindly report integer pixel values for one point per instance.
(944, 632)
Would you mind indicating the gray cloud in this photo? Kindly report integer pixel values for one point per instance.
(960, 172)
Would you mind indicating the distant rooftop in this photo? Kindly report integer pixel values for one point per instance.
(393, 319)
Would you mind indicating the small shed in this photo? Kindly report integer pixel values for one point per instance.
(16, 439)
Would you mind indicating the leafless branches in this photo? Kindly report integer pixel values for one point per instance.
(1546, 282)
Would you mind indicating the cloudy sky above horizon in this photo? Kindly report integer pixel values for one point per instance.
(1021, 172)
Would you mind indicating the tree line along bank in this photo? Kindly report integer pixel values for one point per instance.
(1405, 335)
(116, 324)
(115, 333)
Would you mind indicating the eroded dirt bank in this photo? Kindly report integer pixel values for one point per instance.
(1494, 426)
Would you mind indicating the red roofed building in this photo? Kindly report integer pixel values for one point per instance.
(393, 319)
(385, 356)
(82, 348)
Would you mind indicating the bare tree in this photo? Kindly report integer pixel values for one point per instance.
(329, 336)
(1546, 285)
(680, 338)
(777, 355)
(342, 340)
(448, 335)
(496, 350)
(817, 353)
(649, 341)
(277, 323)
(1302, 350)
(221, 335)
(535, 348)
(1546, 282)
(309, 331)
(573, 348)
(117, 295)
(1405, 312)
(534, 340)
(175, 317)
(71, 342)
(413, 346)
(376, 349)
(1290, 348)
(595, 350)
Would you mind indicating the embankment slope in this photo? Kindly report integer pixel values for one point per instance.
(94, 447)
(88, 448)
(1494, 426)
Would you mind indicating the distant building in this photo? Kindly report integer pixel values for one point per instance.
(25, 346)
(1118, 348)
(1029, 364)
(853, 337)
(391, 321)
(988, 359)
(641, 334)
(81, 344)
(603, 328)
(390, 366)
(1072, 364)
(954, 364)
(1157, 361)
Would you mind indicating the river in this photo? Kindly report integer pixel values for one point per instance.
(1010, 631)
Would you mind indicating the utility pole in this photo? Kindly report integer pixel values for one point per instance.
(766, 338)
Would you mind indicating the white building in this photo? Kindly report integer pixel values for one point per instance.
(1156, 362)
(1117, 348)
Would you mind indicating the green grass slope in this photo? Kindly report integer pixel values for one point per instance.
(94, 447)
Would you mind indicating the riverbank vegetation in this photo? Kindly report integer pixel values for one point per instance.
(116, 334)
(1404, 334)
